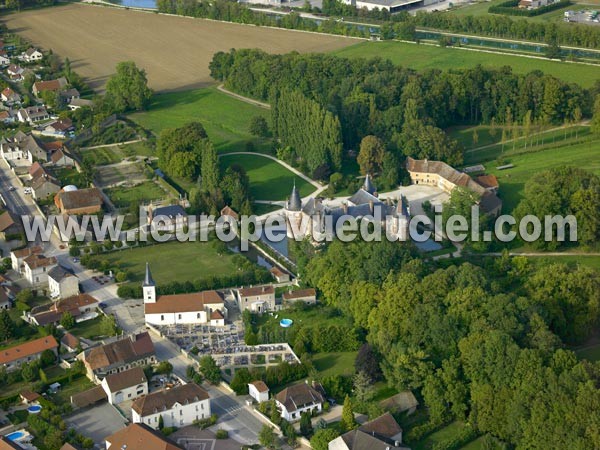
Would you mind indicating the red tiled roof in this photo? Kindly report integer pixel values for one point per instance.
(183, 302)
(260, 386)
(139, 436)
(300, 293)
(27, 349)
(258, 290)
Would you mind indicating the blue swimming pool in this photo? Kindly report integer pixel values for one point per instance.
(34, 409)
(15, 436)
(285, 323)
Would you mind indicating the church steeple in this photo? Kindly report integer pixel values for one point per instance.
(149, 287)
(295, 202)
(369, 186)
(148, 281)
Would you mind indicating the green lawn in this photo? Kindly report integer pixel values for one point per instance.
(512, 181)
(481, 8)
(225, 118)
(589, 261)
(143, 148)
(269, 180)
(68, 176)
(441, 435)
(174, 261)
(74, 387)
(147, 191)
(335, 363)
(591, 353)
(430, 57)
(536, 143)
(477, 444)
(101, 156)
(262, 208)
(89, 329)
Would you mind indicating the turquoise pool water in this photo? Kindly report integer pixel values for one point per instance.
(285, 323)
(15, 436)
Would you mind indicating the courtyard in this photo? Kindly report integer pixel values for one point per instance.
(97, 422)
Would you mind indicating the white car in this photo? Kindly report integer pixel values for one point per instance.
(28, 190)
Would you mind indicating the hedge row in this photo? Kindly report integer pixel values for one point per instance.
(511, 8)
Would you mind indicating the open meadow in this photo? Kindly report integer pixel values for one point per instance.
(175, 51)
(226, 119)
(174, 261)
(422, 57)
(269, 180)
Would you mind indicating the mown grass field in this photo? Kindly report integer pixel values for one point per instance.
(337, 363)
(421, 57)
(101, 156)
(145, 192)
(512, 181)
(174, 261)
(269, 180)
(225, 118)
(441, 435)
(591, 353)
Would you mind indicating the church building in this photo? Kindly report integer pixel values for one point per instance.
(198, 308)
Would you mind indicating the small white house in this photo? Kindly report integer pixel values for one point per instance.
(37, 268)
(125, 386)
(62, 283)
(308, 296)
(31, 55)
(298, 399)
(4, 61)
(259, 391)
(179, 406)
(256, 299)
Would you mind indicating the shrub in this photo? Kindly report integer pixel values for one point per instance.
(222, 434)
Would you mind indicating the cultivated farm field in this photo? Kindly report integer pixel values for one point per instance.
(175, 51)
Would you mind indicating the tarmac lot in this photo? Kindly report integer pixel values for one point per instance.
(97, 422)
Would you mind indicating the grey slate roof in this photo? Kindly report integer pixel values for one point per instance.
(294, 203)
(171, 211)
(59, 273)
(369, 186)
(148, 280)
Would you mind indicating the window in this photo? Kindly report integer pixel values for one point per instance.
(181, 422)
(202, 406)
(181, 412)
(196, 407)
(155, 419)
(198, 316)
(179, 316)
(162, 317)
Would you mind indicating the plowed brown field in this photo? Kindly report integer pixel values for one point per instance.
(175, 51)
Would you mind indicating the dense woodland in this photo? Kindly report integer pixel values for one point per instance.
(406, 109)
(482, 344)
(485, 25)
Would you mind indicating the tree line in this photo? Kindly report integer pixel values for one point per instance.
(307, 127)
(404, 108)
(485, 344)
(484, 25)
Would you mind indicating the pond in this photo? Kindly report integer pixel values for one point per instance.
(146, 4)
(428, 246)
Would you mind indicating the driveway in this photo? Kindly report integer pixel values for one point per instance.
(97, 422)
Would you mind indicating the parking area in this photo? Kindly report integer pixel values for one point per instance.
(97, 422)
(193, 438)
